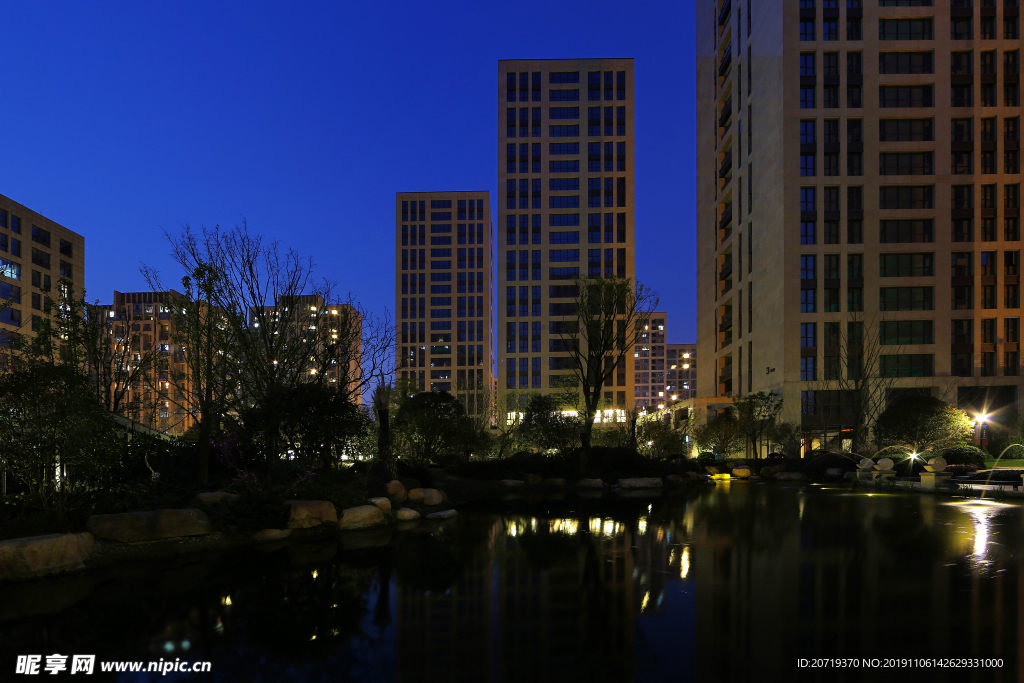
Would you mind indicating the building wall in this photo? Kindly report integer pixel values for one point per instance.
(541, 208)
(24, 253)
(750, 242)
(444, 296)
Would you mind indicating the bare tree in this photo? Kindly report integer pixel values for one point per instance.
(855, 385)
(278, 326)
(598, 332)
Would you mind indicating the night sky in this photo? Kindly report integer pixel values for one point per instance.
(123, 120)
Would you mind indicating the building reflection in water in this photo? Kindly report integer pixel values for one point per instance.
(714, 584)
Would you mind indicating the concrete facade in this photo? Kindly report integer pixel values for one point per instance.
(565, 174)
(904, 124)
(444, 294)
(35, 252)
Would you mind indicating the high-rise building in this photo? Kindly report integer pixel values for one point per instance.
(149, 381)
(859, 182)
(443, 293)
(665, 373)
(331, 333)
(549, 162)
(680, 372)
(35, 253)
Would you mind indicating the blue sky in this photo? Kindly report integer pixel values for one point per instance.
(122, 120)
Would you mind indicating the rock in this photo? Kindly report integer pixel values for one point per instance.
(271, 534)
(742, 472)
(383, 503)
(431, 497)
(713, 469)
(132, 527)
(849, 475)
(792, 476)
(554, 481)
(396, 490)
(416, 495)
(21, 558)
(590, 484)
(641, 483)
(405, 514)
(836, 472)
(770, 470)
(674, 480)
(696, 476)
(447, 514)
(307, 513)
(216, 498)
(360, 517)
(408, 525)
(534, 479)
(512, 483)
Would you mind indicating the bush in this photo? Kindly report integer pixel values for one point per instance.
(249, 514)
(997, 447)
(820, 461)
(965, 454)
(962, 469)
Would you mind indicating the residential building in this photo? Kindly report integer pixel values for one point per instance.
(148, 378)
(859, 173)
(330, 332)
(560, 172)
(680, 372)
(35, 252)
(444, 293)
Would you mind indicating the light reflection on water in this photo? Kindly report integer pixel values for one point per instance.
(598, 590)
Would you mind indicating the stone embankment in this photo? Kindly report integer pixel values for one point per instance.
(156, 533)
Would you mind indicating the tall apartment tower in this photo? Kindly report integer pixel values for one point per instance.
(565, 162)
(859, 181)
(35, 253)
(443, 293)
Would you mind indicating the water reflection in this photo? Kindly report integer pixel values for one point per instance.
(713, 584)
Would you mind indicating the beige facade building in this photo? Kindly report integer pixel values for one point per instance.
(665, 373)
(565, 162)
(859, 187)
(35, 253)
(149, 377)
(444, 293)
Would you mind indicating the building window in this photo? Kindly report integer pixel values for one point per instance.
(806, 30)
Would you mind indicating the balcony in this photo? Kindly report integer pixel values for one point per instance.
(723, 66)
(723, 16)
(726, 323)
(726, 168)
(726, 270)
(726, 116)
(726, 218)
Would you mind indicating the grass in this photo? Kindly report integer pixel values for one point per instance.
(1005, 462)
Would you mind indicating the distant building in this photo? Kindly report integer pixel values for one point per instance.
(443, 293)
(665, 373)
(148, 374)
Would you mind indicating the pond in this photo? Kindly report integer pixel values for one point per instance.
(728, 583)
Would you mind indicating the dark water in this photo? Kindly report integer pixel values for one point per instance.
(727, 583)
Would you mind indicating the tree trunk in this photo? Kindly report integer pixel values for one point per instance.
(384, 451)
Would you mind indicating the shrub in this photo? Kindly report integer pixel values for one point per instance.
(962, 469)
(250, 513)
(965, 454)
(996, 447)
(820, 461)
